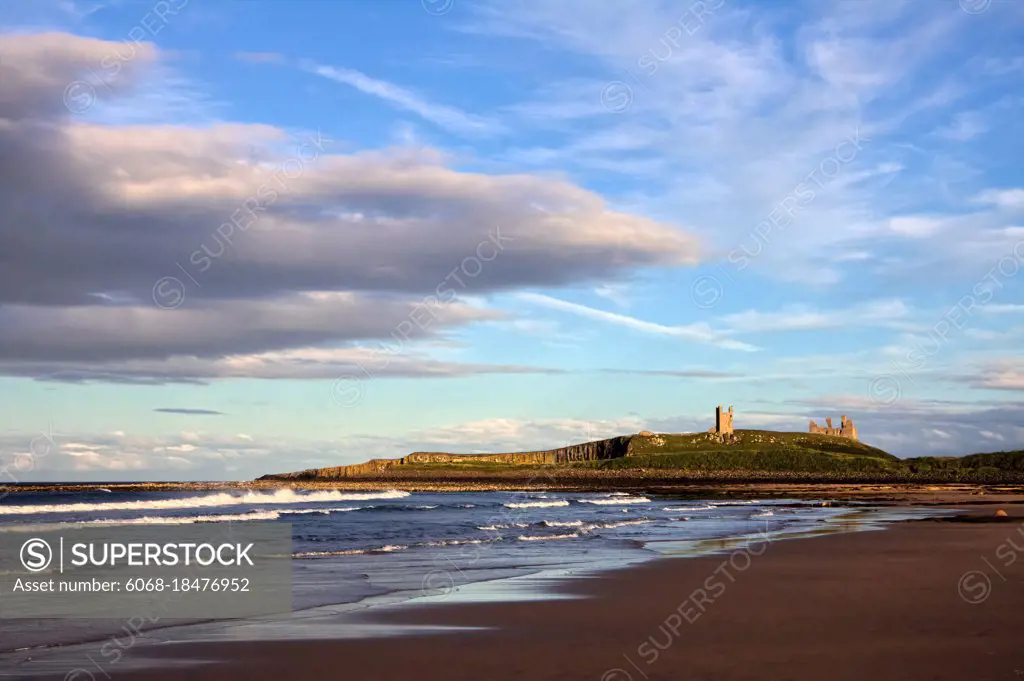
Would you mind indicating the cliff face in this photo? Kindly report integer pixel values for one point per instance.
(589, 451)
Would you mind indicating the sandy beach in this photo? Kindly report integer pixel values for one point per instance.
(511, 339)
(935, 599)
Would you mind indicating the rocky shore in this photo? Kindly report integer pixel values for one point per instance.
(875, 493)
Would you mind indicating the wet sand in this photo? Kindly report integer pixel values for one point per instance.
(921, 600)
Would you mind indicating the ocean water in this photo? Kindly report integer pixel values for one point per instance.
(350, 546)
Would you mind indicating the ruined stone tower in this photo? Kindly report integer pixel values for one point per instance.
(846, 428)
(723, 421)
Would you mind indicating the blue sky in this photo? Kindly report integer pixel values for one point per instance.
(261, 236)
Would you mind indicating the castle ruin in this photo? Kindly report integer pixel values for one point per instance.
(846, 429)
(723, 421)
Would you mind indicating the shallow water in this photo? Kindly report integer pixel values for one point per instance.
(386, 547)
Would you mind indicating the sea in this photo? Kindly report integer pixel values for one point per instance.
(353, 547)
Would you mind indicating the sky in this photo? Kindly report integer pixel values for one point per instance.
(262, 236)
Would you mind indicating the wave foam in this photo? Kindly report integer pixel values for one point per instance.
(546, 537)
(388, 548)
(281, 496)
(538, 504)
(328, 554)
(188, 520)
(622, 523)
(324, 511)
(616, 501)
(493, 528)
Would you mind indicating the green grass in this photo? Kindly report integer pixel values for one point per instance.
(756, 450)
(775, 460)
(754, 441)
(753, 454)
(1000, 461)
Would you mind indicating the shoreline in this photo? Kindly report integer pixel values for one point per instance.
(891, 604)
(874, 492)
(386, 606)
(856, 518)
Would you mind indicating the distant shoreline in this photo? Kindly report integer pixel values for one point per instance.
(873, 492)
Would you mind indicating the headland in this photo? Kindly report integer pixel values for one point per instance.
(720, 455)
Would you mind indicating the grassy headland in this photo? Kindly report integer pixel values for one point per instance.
(646, 458)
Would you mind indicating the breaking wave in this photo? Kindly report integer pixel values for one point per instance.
(493, 528)
(538, 504)
(389, 548)
(590, 527)
(281, 496)
(623, 523)
(188, 520)
(324, 511)
(546, 537)
(616, 501)
(153, 520)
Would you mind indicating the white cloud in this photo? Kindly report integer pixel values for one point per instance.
(694, 332)
(345, 251)
(1005, 374)
(445, 116)
(1002, 308)
(1003, 198)
(734, 120)
(915, 226)
(616, 293)
(883, 313)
